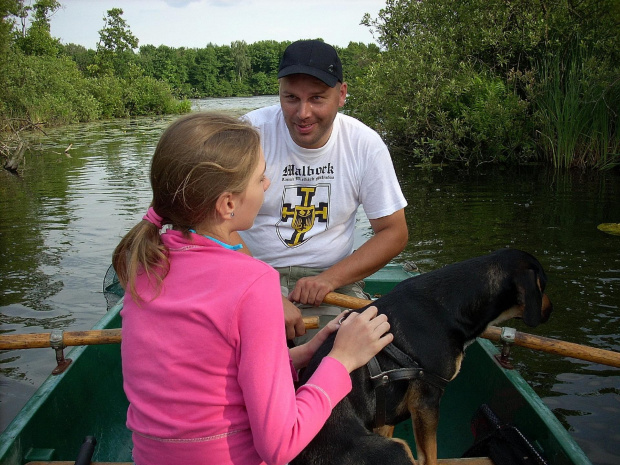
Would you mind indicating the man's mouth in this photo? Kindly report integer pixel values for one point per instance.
(304, 128)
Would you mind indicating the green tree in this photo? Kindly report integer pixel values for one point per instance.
(356, 59)
(82, 56)
(265, 58)
(37, 39)
(241, 59)
(204, 71)
(115, 46)
(164, 63)
(8, 10)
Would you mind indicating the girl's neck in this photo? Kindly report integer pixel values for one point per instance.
(221, 236)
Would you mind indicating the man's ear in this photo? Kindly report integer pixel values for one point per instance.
(225, 205)
(342, 97)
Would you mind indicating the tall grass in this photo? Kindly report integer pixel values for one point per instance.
(577, 111)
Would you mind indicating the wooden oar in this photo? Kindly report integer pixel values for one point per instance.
(553, 346)
(79, 338)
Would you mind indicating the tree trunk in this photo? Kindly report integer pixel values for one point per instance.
(16, 157)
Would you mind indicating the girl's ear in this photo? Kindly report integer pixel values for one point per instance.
(225, 205)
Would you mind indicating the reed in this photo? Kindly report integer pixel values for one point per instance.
(577, 119)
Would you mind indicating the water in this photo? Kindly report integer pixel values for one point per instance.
(61, 220)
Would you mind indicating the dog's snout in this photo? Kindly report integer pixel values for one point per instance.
(546, 308)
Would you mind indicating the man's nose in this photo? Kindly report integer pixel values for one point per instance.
(304, 110)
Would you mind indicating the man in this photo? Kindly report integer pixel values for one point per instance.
(322, 166)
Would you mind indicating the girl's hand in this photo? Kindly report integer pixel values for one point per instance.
(302, 354)
(361, 336)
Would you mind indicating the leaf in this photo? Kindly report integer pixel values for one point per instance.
(610, 228)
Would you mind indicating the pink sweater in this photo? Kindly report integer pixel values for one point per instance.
(206, 368)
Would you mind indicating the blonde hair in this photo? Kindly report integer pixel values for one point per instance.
(198, 157)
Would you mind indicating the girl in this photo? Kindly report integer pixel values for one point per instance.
(205, 364)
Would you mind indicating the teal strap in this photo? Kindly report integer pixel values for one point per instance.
(223, 244)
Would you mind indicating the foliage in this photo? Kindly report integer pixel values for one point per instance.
(116, 44)
(37, 39)
(108, 91)
(47, 83)
(61, 97)
(8, 9)
(576, 109)
(80, 54)
(148, 96)
(480, 81)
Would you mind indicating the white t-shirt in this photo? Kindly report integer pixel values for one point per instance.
(308, 217)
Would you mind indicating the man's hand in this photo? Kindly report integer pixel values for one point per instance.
(389, 239)
(293, 320)
(311, 290)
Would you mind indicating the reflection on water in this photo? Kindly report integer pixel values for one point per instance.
(60, 222)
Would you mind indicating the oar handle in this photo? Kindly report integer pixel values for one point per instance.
(545, 344)
(80, 338)
(346, 301)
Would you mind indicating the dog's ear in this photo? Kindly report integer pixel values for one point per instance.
(531, 297)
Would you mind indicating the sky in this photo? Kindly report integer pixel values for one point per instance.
(196, 23)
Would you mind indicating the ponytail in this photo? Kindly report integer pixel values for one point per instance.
(141, 250)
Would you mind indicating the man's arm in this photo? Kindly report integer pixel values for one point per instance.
(389, 239)
(293, 320)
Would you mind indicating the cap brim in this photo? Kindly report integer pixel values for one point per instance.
(327, 78)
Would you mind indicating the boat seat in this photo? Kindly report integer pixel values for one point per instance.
(468, 461)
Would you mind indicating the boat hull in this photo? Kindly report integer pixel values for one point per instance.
(88, 400)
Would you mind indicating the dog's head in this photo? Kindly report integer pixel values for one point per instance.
(529, 280)
(537, 307)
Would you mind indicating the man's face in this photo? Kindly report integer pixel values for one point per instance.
(310, 107)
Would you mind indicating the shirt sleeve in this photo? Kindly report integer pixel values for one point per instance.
(380, 192)
(283, 422)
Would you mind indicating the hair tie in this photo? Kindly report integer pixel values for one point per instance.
(152, 217)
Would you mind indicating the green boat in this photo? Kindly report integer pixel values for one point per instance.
(87, 399)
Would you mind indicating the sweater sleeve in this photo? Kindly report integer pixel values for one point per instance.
(283, 422)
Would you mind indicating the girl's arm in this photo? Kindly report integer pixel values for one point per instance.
(301, 355)
(283, 421)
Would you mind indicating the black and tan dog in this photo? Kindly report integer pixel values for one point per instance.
(433, 317)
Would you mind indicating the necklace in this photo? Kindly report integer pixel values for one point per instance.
(217, 241)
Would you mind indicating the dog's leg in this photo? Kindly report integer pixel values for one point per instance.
(386, 431)
(425, 422)
(422, 401)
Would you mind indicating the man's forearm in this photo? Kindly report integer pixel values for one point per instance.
(389, 239)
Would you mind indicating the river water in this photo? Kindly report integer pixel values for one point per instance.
(60, 221)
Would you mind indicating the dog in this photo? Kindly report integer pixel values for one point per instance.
(433, 317)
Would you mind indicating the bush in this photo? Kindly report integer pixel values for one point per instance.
(108, 91)
(48, 89)
(145, 95)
